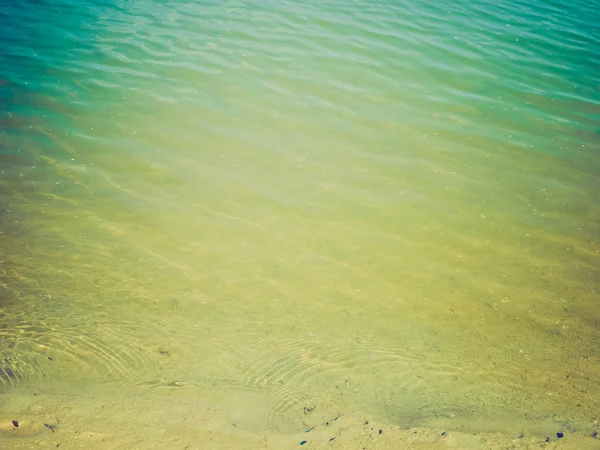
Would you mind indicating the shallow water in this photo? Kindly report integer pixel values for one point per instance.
(299, 211)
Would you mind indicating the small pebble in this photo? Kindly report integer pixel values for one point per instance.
(15, 423)
(303, 442)
(559, 435)
(380, 431)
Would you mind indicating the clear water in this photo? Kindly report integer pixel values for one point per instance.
(257, 217)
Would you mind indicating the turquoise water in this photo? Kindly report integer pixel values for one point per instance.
(236, 221)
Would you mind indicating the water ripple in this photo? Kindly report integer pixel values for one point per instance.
(327, 155)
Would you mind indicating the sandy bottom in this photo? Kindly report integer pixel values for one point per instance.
(109, 420)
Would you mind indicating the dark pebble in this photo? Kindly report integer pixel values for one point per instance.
(559, 435)
(443, 433)
(380, 431)
(303, 442)
(366, 422)
(332, 439)
(15, 423)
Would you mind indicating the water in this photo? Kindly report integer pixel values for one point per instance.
(232, 222)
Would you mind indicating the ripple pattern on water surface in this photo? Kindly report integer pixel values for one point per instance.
(40, 345)
(304, 208)
(288, 385)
